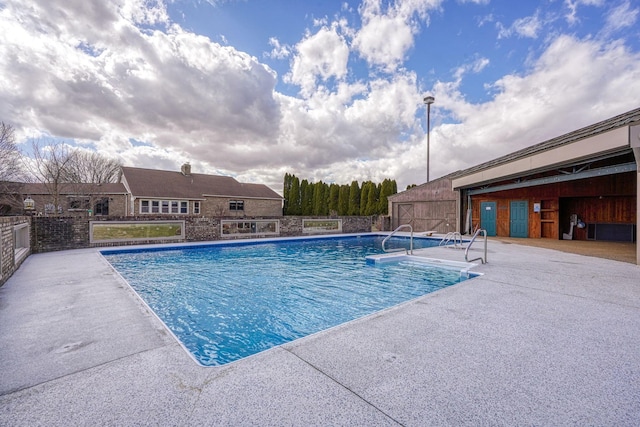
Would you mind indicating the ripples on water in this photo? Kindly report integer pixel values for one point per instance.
(228, 302)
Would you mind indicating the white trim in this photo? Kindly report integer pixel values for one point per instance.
(167, 198)
(21, 242)
(160, 206)
(606, 142)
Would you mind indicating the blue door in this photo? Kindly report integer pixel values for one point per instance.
(488, 217)
(519, 223)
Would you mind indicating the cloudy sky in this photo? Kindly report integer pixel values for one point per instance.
(326, 90)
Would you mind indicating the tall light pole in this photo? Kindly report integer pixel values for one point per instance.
(428, 100)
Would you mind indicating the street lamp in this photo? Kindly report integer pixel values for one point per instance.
(428, 100)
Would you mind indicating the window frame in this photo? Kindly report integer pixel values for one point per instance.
(164, 206)
(103, 205)
(21, 242)
(236, 205)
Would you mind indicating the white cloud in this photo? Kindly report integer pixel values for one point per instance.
(105, 81)
(475, 67)
(572, 6)
(621, 16)
(583, 79)
(148, 12)
(178, 88)
(485, 19)
(321, 55)
(279, 51)
(528, 27)
(387, 35)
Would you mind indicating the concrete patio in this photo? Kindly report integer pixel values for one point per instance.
(542, 338)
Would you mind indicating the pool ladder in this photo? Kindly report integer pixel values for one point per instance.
(410, 250)
(473, 239)
(452, 237)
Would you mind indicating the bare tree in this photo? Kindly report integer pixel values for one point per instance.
(49, 166)
(76, 173)
(11, 172)
(10, 167)
(84, 176)
(91, 167)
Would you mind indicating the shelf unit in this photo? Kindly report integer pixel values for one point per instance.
(549, 219)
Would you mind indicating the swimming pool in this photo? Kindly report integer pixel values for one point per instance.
(225, 302)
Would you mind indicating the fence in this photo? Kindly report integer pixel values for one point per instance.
(61, 233)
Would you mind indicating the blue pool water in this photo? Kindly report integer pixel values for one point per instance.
(226, 302)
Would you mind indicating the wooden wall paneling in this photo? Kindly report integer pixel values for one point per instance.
(502, 217)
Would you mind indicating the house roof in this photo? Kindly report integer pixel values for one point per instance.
(173, 184)
(27, 188)
(616, 122)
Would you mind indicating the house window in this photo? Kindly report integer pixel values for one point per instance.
(196, 208)
(102, 207)
(21, 243)
(164, 206)
(236, 205)
(79, 203)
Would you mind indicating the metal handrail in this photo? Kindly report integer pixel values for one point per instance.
(466, 252)
(410, 251)
(452, 235)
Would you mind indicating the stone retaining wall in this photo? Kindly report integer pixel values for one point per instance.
(10, 259)
(61, 233)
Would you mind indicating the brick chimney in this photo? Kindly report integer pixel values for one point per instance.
(186, 169)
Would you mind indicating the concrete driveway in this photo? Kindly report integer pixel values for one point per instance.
(542, 338)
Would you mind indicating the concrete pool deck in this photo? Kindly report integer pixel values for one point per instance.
(542, 338)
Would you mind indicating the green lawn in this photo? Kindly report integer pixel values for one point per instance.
(135, 231)
(324, 224)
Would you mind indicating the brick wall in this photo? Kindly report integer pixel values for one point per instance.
(117, 203)
(219, 206)
(61, 233)
(8, 262)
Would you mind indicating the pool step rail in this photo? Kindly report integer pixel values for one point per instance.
(452, 239)
(473, 239)
(408, 251)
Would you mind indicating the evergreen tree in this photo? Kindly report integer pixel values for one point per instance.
(364, 197)
(334, 194)
(372, 200)
(388, 188)
(286, 189)
(382, 200)
(354, 198)
(343, 200)
(293, 207)
(306, 197)
(325, 203)
(309, 198)
(318, 198)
